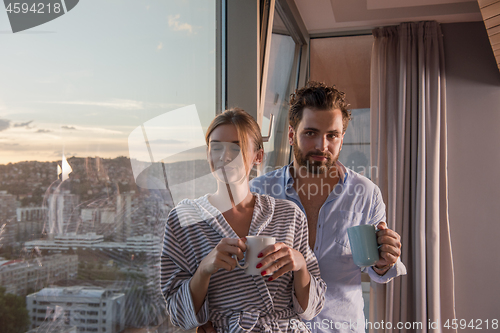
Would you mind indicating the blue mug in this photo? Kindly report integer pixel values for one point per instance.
(364, 246)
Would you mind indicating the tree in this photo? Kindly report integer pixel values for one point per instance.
(14, 316)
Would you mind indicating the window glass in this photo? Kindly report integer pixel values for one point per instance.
(345, 63)
(281, 81)
(79, 221)
(277, 97)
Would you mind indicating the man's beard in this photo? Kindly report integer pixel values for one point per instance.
(314, 167)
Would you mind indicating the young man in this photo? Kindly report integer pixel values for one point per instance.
(334, 198)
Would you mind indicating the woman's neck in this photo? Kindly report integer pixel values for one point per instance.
(232, 196)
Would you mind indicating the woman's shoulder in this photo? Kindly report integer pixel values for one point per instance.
(277, 204)
(189, 210)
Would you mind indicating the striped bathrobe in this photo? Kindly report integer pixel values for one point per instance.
(236, 302)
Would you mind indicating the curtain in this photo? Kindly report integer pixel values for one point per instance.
(409, 153)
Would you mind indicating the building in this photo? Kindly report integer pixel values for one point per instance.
(53, 327)
(62, 213)
(8, 205)
(145, 243)
(29, 223)
(20, 276)
(90, 309)
(124, 216)
(112, 218)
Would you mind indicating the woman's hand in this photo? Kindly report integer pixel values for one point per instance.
(221, 257)
(279, 259)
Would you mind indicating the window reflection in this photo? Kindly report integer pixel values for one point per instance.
(79, 237)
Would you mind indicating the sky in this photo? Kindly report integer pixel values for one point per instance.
(82, 83)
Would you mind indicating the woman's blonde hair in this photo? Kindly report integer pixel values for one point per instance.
(245, 126)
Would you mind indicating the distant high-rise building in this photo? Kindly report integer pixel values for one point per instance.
(90, 309)
(19, 276)
(8, 205)
(62, 214)
(123, 221)
(29, 223)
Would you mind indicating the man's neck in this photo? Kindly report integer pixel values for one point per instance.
(302, 174)
(312, 186)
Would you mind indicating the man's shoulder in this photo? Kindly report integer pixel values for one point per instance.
(357, 179)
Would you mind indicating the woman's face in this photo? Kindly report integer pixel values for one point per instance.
(225, 155)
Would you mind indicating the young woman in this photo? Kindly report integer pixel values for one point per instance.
(199, 277)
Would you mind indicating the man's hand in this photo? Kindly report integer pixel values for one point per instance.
(207, 328)
(389, 250)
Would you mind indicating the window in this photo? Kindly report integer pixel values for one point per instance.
(345, 63)
(285, 53)
(94, 80)
(92, 321)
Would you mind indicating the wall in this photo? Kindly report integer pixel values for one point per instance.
(473, 97)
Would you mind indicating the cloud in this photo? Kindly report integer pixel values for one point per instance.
(8, 145)
(4, 124)
(164, 141)
(90, 129)
(176, 25)
(160, 46)
(123, 104)
(43, 131)
(26, 124)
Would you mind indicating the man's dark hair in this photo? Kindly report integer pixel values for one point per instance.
(317, 96)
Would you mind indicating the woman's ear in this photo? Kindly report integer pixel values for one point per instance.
(259, 157)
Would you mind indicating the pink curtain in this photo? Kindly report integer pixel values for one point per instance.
(408, 136)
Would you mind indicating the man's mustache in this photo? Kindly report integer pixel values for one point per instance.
(319, 153)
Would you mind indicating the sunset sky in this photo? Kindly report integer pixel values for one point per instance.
(80, 84)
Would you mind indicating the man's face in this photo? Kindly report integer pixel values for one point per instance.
(317, 140)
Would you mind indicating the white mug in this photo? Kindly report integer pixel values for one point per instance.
(255, 245)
